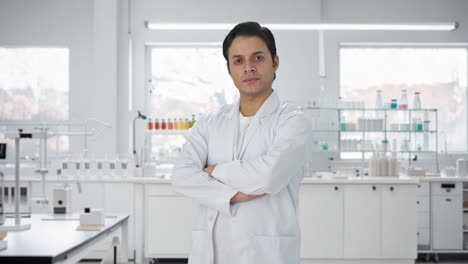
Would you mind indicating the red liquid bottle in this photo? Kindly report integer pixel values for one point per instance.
(170, 125)
(163, 125)
(150, 124)
(156, 124)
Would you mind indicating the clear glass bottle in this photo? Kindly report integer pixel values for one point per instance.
(417, 100)
(404, 100)
(378, 100)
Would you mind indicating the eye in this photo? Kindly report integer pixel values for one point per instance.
(237, 61)
(258, 57)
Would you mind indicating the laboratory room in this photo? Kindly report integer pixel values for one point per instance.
(233, 132)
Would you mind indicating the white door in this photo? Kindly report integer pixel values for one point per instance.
(168, 223)
(321, 219)
(447, 216)
(362, 221)
(399, 231)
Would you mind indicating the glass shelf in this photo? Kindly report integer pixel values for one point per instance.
(387, 131)
(370, 109)
(166, 132)
(400, 151)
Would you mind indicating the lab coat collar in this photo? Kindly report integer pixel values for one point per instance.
(268, 107)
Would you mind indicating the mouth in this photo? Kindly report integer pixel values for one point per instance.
(251, 79)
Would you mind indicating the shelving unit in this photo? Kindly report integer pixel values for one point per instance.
(368, 127)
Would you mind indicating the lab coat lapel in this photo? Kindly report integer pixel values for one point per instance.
(268, 107)
(231, 130)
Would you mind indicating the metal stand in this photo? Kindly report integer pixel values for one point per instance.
(18, 226)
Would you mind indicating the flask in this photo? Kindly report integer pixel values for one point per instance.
(417, 101)
(404, 100)
(378, 100)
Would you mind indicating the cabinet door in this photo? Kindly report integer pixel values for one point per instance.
(399, 231)
(321, 219)
(119, 199)
(168, 226)
(447, 216)
(362, 221)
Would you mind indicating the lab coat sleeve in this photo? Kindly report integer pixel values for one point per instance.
(190, 180)
(271, 172)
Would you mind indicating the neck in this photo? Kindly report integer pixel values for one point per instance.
(249, 105)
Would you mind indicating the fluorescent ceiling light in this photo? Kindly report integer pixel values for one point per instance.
(403, 27)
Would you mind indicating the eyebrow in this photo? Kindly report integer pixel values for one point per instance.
(255, 53)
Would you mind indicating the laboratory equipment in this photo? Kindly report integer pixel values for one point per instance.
(404, 100)
(62, 200)
(393, 104)
(92, 217)
(139, 116)
(417, 101)
(379, 100)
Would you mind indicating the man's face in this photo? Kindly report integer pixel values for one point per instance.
(250, 65)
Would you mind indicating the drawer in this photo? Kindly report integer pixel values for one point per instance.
(423, 236)
(423, 188)
(446, 188)
(423, 219)
(422, 203)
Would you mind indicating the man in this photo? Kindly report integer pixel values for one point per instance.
(242, 164)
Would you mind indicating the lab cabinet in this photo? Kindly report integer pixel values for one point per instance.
(321, 219)
(398, 221)
(168, 222)
(362, 221)
(447, 216)
(358, 221)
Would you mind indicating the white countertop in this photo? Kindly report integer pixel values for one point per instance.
(307, 180)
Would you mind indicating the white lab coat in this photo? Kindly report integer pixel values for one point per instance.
(264, 230)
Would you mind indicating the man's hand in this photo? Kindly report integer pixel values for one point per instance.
(209, 169)
(242, 197)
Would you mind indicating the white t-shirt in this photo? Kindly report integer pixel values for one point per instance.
(222, 229)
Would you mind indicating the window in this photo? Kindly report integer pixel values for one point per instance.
(34, 86)
(34, 83)
(186, 81)
(439, 74)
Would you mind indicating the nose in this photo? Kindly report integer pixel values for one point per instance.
(249, 67)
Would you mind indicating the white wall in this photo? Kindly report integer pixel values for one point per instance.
(88, 29)
(107, 43)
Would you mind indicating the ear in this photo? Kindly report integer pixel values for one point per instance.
(276, 62)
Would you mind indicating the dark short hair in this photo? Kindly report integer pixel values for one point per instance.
(250, 29)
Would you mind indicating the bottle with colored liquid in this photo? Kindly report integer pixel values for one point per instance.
(180, 124)
(193, 121)
(150, 124)
(404, 100)
(163, 124)
(187, 123)
(156, 124)
(170, 125)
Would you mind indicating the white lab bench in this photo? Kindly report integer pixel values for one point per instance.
(343, 220)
